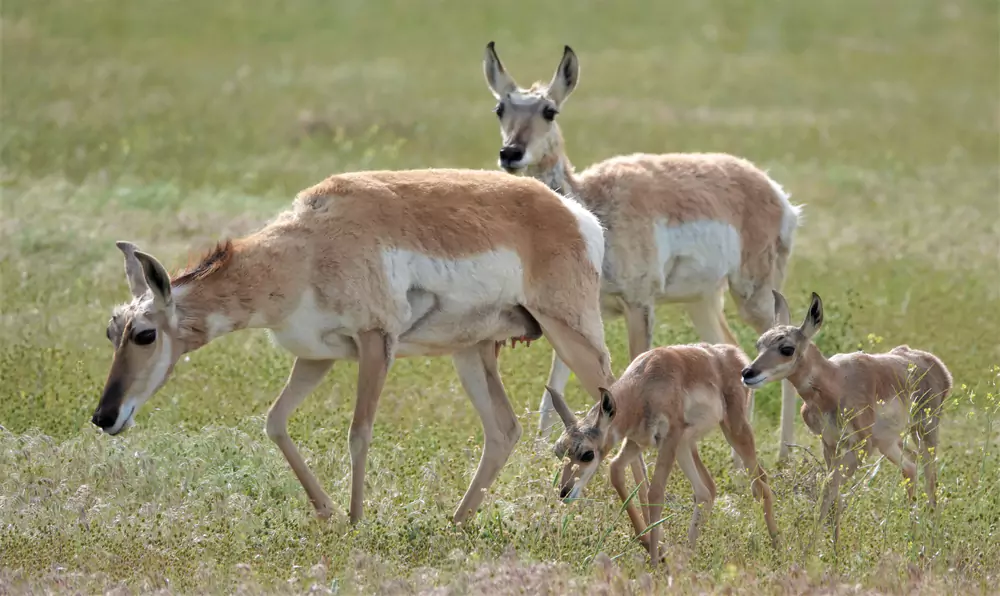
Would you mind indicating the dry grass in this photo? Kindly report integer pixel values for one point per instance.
(174, 124)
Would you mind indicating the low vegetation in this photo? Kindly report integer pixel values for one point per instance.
(173, 124)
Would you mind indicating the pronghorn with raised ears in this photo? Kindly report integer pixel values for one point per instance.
(668, 398)
(679, 227)
(371, 266)
(855, 400)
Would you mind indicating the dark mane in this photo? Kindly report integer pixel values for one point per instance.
(213, 261)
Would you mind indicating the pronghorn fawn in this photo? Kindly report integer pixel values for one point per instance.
(855, 400)
(679, 227)
(668, 398)
(372, 266)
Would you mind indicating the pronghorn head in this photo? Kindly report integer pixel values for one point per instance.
(527, 116)
(582, 445)
(144, 335)
(781, 348)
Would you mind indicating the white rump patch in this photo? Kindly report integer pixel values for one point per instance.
(590, 229)
(791, 215)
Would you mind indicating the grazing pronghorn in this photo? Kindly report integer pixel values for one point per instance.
(679, 227)
(371, 266)
(853, 400)
(667, 398)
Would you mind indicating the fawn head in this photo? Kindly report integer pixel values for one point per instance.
(781, 348)
(582, 445)
(143, 333)
(527, 116)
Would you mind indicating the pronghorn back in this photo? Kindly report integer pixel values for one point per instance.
(903, 372)
(386, 233)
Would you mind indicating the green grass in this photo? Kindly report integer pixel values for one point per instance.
(175, 123)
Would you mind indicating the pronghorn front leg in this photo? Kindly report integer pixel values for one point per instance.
(305, 375)
(477, 369)
(626, 455)
(639, 320)
(374, 359)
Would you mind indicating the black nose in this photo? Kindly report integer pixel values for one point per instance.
(564, 492)
(104, 419)
(510, 154)
(749, 373)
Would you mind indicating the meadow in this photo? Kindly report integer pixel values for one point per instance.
(174, 124)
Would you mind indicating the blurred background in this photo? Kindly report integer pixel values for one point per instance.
(178, 122)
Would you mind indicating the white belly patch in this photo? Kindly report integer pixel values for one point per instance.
(695, 257)
(441, 305)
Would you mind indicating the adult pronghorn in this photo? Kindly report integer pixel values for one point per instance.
(371, 266)
(679, 227)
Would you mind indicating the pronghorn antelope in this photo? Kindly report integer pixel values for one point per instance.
(679, 227)
(667, 398)
(854, 400)
(371, 266)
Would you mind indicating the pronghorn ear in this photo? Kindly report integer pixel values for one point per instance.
(499, 82)
(133, 269)
(607, 403)
(156, 278)
(781, 314)
(814, 318)
(567, 75)
(569, 420)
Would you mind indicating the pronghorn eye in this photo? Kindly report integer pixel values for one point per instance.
(587, 456)
(786, 350)
(499, 110)
(549, 113)
(144, 338)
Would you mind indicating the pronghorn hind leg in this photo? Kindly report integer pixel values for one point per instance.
(375, 350)
(709, 318)
(704, 492)
(305, 376)
(665, 457)
(477, 369)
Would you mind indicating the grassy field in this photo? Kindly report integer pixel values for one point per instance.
(173, 124)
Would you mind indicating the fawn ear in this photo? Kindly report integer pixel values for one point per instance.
(607, 404)
(781, 314)
(569, 420)
(566, 77)
(814, 318)
(500, 83)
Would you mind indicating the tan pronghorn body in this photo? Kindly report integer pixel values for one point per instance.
(854, 400)
(679, 227)
(370, 266)
(668, 399)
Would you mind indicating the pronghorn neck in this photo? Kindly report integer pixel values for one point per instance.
(557, 173)
(555, 169)
(218, 301)
(810, 374)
